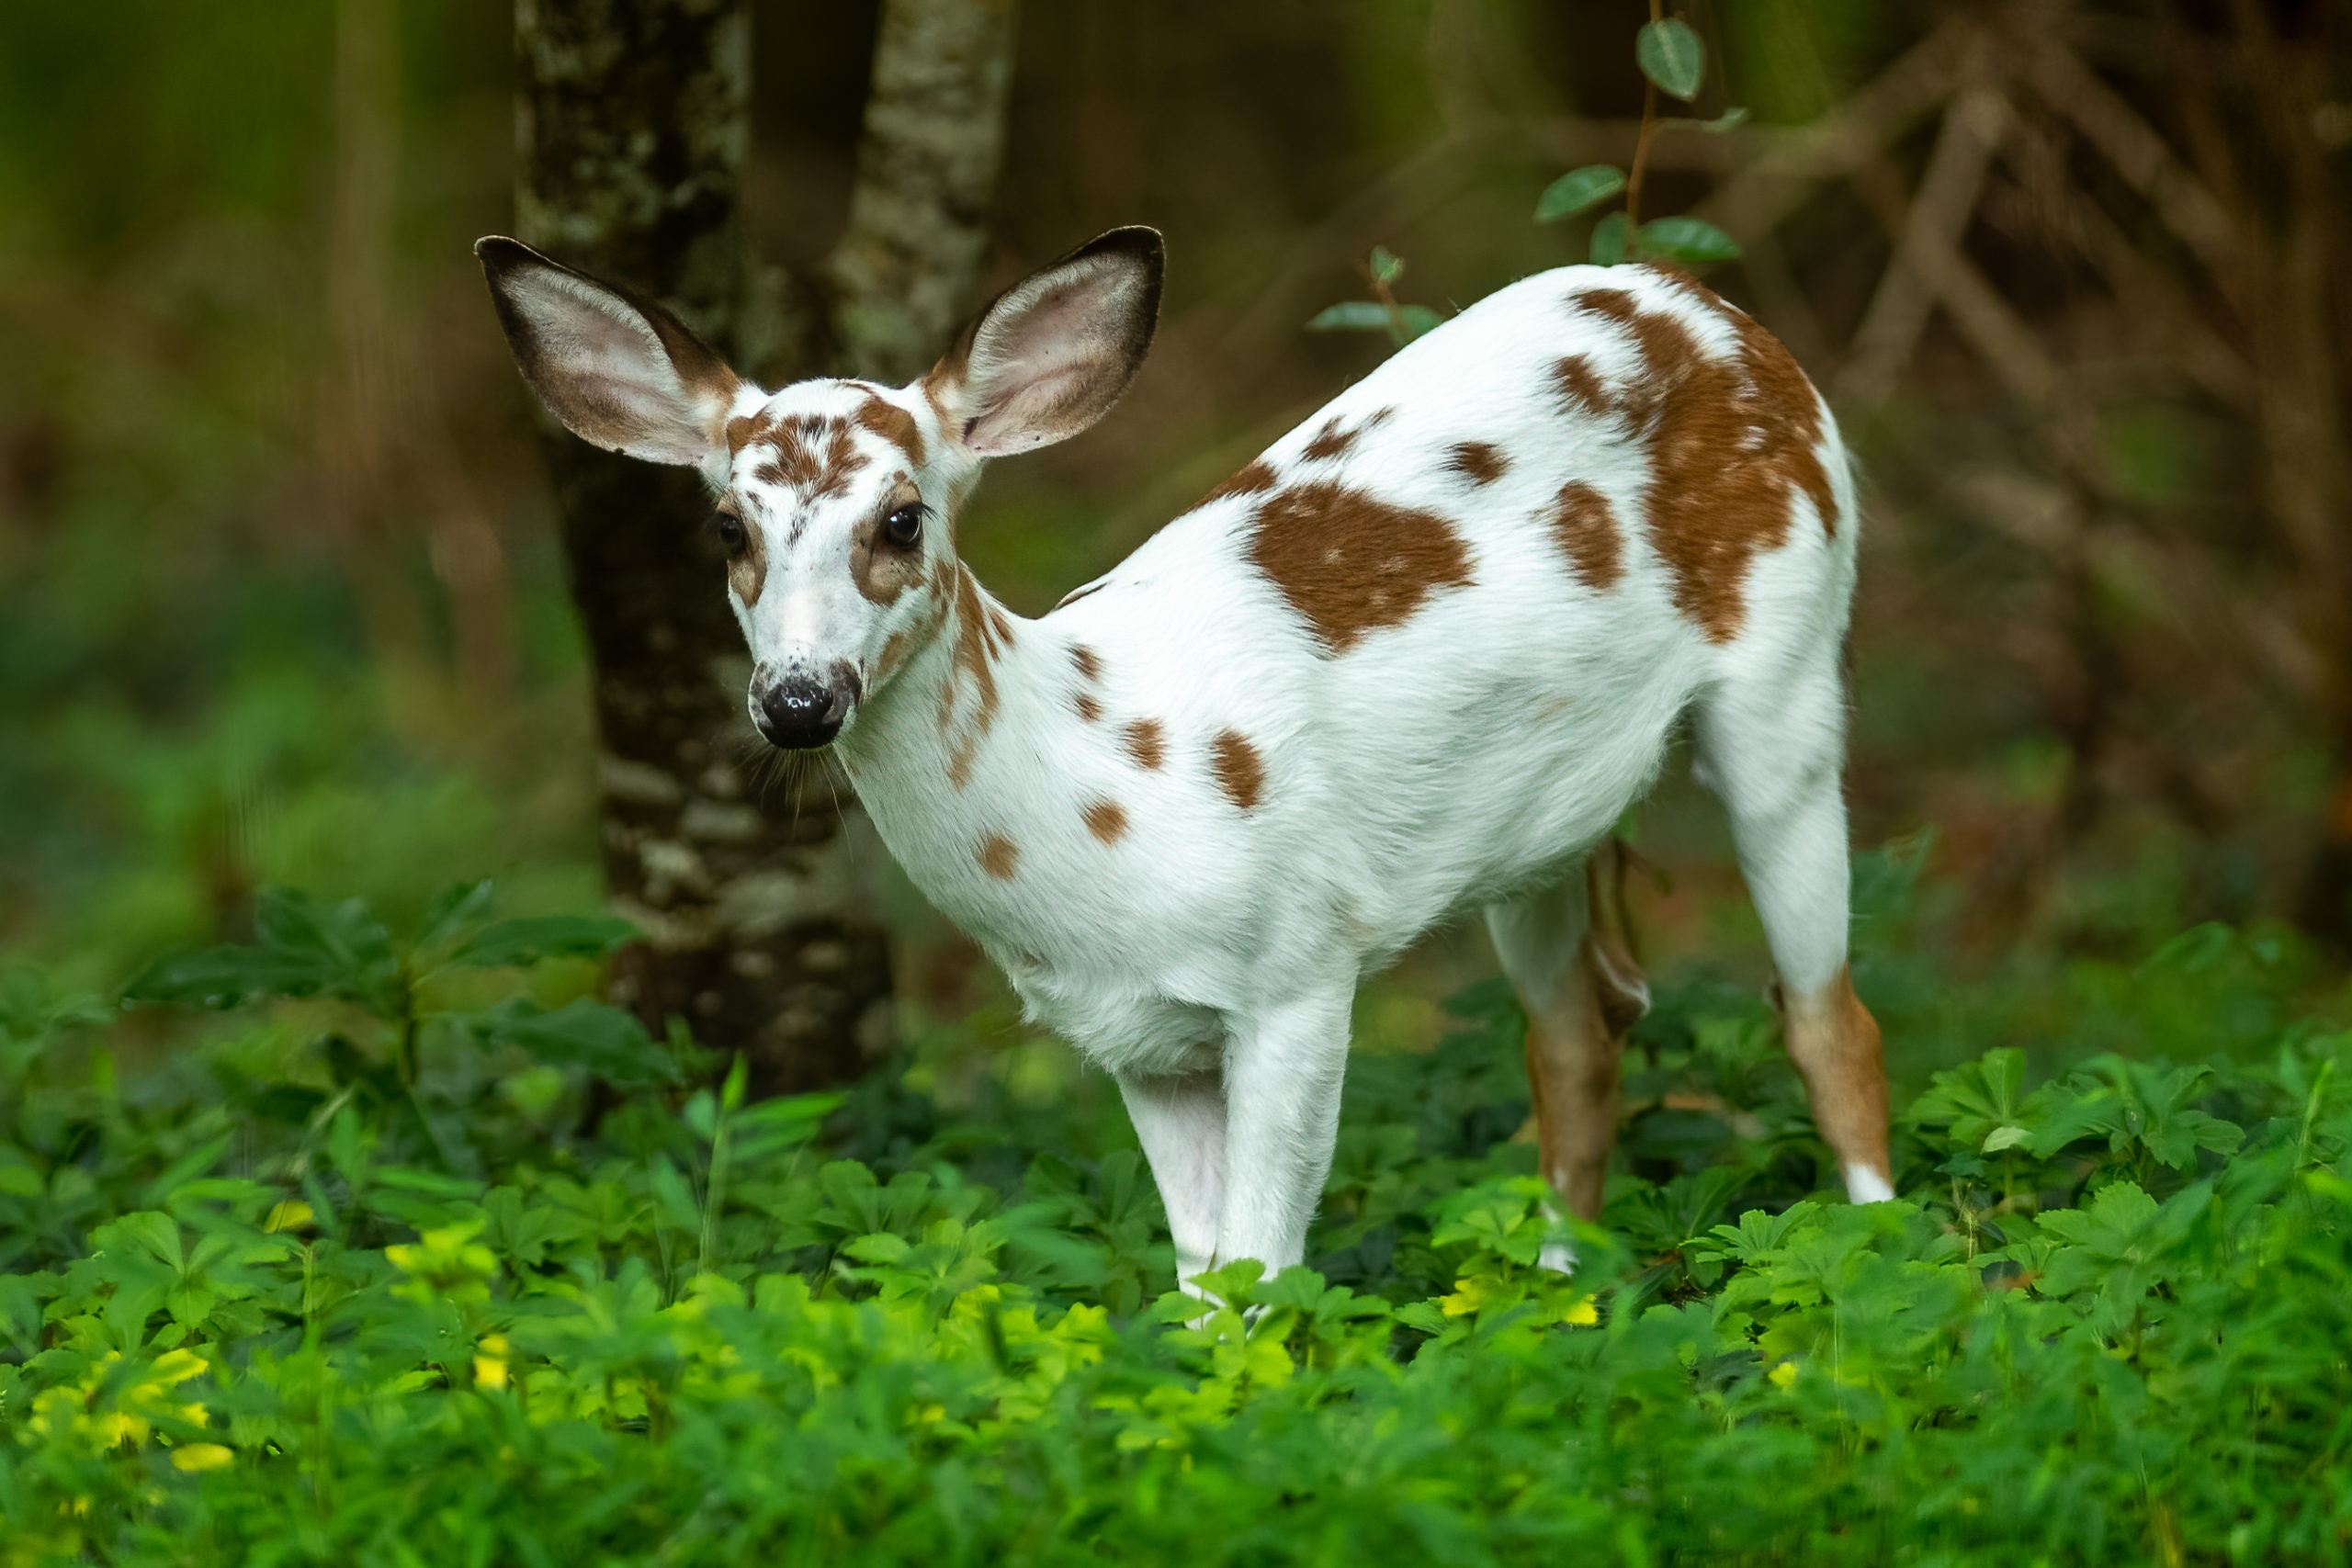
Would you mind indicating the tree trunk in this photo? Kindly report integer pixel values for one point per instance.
(758, 903)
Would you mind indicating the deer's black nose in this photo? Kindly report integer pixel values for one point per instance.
(797, 711)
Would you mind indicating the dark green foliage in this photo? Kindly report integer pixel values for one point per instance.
(280, 1301)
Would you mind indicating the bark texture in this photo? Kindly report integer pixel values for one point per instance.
(757, 898)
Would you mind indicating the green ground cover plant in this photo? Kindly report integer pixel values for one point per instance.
(413, 1251)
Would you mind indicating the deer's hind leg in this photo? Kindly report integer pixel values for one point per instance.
(1563, 947)
(1772, 744)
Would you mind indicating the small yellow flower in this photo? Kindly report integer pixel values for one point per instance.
(202, 1456)
(1471, 1293)
(490, 1364)
(1783, 1375)
(291, 1216)
(1584, 1314)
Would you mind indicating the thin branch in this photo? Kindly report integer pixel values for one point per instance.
(1935, 220)
(2138, 153)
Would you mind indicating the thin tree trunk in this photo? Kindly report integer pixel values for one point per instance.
(762, 931)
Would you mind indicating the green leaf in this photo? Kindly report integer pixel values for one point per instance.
(453, 907)
(603, 1040)
(1685, 240)
(1670, 54)
(305, 950)
(1578, 190)
(1419, 320)
(516, 943)
(1730, 119)
(1235, 1284)
(1387, 266)
(1351, 316)
(1609, 238)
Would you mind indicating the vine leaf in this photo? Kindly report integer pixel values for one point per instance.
(1670, 54)
(1609, 240)
(1578, 190)
(1685, 240)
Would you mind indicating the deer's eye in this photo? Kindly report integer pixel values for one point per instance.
(730, 529)
(904, 525)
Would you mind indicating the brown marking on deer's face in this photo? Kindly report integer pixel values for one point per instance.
(1731, 444)
(1107, 820)
(999, 856)
(1254, 479)
(1145, 742)
(975, 657)
(1480, 462)
(743, 429)
(882, 569)
(893, 424)
(1586, 527)
(747, 568)
(893, 655)
(1349, 562)
(1239, 772)
(814, 455)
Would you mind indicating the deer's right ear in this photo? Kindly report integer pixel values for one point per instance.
(617, 370)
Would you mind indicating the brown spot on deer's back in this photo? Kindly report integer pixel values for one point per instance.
(1580, 387)
(999, 856)
(1256, 478)
(1480, 462)
(893, 424)
(1731, 444)
(1586, 528)
(1088, 708)
(1349, 562)
(1107, 820)
(1239, 772)
(1331, 441)
(1145, 742)
(1089, 662)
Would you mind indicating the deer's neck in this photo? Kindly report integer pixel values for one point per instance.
(956, 752)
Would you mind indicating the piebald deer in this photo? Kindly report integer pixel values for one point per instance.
(1417, 657)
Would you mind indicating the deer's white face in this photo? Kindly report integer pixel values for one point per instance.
(836, 532)
(833, 496)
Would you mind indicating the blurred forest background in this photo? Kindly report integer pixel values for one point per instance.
(281, 599)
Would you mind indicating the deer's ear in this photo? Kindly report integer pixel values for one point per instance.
(615, 368)
(1056, 350)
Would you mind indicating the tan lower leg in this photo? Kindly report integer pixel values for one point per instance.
(1834, 1042)
(1572, 1074)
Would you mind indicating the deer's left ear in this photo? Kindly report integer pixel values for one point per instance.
(615, 368)
(1056, 350)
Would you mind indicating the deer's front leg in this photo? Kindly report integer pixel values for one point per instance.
(1180, 1119)
(1282, 1070)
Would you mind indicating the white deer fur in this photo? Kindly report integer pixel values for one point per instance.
(1202, 933)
